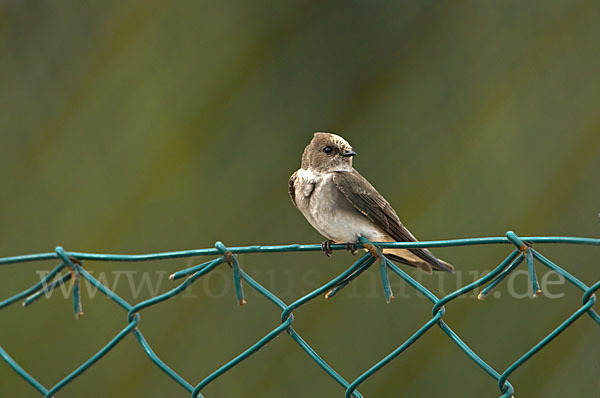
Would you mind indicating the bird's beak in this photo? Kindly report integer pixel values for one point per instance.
(349, 153)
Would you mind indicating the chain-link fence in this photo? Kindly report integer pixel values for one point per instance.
(71, 268)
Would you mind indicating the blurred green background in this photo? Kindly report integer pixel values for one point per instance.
(142, 126)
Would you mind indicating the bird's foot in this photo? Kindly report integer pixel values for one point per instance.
(326, 247)
(351, 247)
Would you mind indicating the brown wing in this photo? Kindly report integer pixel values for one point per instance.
(365, 198)
(291, 187)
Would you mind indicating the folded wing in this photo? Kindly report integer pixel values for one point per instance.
(365, 198)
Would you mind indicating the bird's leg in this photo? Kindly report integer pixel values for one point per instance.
(326, 247)
(351, 247)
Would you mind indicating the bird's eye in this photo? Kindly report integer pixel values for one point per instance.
(327, 149)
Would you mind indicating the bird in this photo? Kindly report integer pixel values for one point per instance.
(343, 206)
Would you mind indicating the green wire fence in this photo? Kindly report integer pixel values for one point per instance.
(524, 252)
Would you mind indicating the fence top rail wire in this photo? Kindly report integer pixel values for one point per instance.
(296, 248)
(70, 267)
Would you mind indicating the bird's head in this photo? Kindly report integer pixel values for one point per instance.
(327, 152)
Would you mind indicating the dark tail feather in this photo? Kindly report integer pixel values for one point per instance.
(440, 265)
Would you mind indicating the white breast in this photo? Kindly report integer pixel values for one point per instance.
(329, 212)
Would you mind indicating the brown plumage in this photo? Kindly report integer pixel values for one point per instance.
(342, 205)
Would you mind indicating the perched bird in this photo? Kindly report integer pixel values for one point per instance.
(343, 206)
